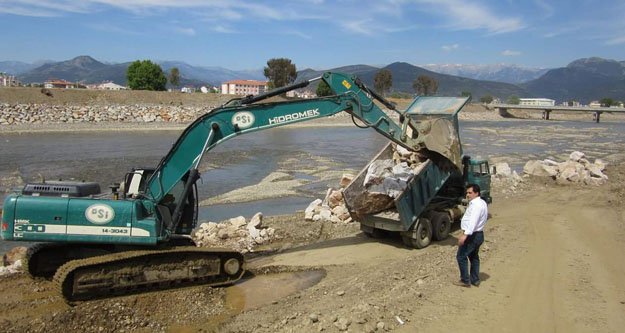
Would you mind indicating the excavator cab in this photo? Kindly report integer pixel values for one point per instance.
(135, 181)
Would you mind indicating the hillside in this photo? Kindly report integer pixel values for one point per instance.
(404, 75)
(498, 72)
(86, 69)
(583, 80)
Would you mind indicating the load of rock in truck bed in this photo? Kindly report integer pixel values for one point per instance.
(386, 178)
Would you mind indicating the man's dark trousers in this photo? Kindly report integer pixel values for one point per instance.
(470, 250)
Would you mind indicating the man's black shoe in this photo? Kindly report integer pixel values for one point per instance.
(476, 284)
(462, 284)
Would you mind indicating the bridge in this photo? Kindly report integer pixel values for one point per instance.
(548, 109)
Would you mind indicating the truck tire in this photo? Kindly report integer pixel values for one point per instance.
(441, 224)
(420, 236)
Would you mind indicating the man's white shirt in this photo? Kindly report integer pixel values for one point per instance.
(474, 217)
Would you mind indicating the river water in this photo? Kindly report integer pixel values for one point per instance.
(106, 156)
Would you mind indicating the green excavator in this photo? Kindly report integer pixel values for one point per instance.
(137, 237)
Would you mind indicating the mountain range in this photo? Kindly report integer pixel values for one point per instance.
(508, 73)
(582, 80)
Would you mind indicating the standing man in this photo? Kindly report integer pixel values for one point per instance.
(469, 242)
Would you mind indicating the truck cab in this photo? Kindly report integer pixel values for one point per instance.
(477, 172)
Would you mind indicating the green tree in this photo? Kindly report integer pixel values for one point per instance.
(383, 81)
(323, 89)
(607, 102)
(145, 75)
(174, 77)
(465, 94)
(513, 100)
(280, 72)
(487, 99)
(425, 85)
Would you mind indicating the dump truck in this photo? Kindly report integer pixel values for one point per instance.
(433, 197)
(137, 237)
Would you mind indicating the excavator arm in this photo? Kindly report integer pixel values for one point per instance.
(246, 115)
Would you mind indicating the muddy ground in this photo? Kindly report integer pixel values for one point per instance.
(552, 261)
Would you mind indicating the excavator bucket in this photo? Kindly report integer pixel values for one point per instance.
(437, 119)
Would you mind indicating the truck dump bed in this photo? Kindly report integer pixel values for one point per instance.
(423, 186)
(421, 189)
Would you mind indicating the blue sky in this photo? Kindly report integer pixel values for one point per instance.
(315, 34)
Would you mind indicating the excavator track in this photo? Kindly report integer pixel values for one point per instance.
(43, 259)
(139, 271)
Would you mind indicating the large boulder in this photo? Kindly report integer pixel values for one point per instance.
(539, 169)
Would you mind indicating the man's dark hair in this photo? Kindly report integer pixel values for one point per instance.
(474, 187)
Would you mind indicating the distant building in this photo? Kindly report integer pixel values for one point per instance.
(110, 86)
(187, 89)
(7, 80)
(243, 87)
(571, 103)
(537, 101)
(594, 104)
(54, 83)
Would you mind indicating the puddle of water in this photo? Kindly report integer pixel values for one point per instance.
(264, 289)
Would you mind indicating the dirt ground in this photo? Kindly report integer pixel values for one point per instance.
(551, 262)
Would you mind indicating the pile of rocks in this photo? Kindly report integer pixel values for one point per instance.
(332, 208)
(236, 234)
(12, 260)
(14, 114)
(576, 170)
(505, 179)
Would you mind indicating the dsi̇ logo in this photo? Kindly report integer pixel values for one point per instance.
(99, 214)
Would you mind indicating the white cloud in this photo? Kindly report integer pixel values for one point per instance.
(42, 8)
(360, 27)
(616, 40)
(112, 28)
(450, 47)
(185, 31)
(510, 53)
(223, 29)
(298, 34)
(462, 15)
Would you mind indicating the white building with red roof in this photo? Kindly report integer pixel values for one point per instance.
(243, 87)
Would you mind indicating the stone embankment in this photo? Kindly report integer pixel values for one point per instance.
(19, 114)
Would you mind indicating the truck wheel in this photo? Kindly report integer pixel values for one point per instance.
(420, 236)
(441, 224)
